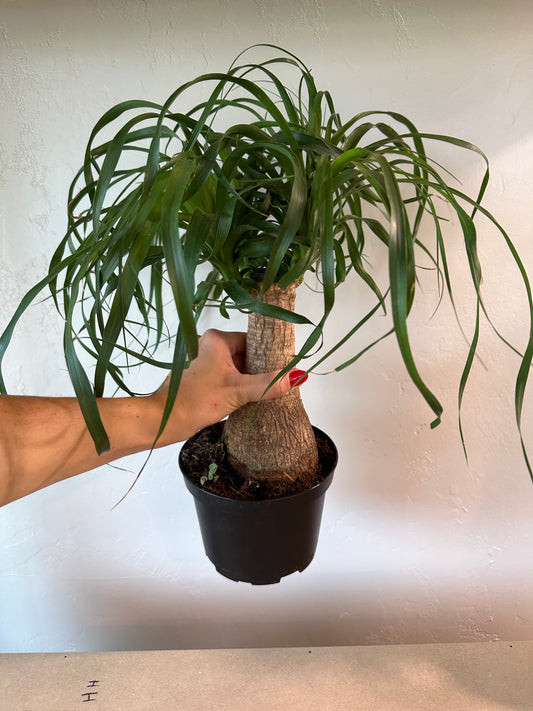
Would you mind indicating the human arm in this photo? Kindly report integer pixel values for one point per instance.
(44, 440)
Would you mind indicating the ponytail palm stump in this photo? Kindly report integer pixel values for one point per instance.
(232, 200)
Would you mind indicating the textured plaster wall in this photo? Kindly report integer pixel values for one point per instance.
(416, 545)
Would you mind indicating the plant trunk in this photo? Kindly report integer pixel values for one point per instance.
(273, 438)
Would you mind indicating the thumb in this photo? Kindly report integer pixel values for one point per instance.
(261, 386)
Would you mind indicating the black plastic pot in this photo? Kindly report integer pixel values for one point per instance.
(260, 542)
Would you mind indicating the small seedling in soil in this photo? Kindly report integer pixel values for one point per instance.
(212, 475)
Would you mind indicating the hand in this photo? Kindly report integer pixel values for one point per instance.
(213, 386)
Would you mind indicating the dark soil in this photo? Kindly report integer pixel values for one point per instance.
(206, 448)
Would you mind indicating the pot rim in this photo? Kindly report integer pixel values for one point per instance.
(199, 492)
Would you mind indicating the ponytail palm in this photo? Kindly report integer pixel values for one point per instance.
(224, 200)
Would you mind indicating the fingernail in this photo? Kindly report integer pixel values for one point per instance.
(297, 377)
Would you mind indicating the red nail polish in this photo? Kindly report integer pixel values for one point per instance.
(297, 377)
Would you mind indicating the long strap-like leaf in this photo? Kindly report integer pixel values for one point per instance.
(181, 267)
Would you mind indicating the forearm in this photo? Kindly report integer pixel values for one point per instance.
(45, 440)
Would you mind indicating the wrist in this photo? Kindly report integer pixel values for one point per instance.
(132, 423)
(175, 430)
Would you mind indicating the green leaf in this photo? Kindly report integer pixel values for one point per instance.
(181, 269)
(127, 283)
(402, 283)
(82, 387)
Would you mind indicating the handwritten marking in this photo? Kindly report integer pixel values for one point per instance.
(89, 694)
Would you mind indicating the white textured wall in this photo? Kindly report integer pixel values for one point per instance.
(415, 545)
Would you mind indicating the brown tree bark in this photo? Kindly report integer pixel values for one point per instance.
(272, 438)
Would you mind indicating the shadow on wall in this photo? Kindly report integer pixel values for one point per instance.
(139, 614)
